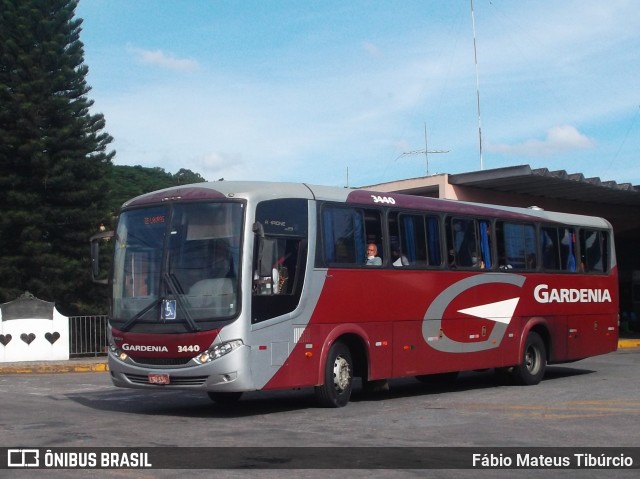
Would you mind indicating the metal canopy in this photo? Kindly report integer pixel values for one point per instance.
(550, 184)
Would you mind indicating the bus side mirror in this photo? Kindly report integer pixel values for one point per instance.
(258, 229)
(267, 257)
(100, 247)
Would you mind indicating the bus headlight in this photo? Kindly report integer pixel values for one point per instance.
(117, 352)
(217, 351)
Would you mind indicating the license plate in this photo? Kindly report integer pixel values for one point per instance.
(158, 379)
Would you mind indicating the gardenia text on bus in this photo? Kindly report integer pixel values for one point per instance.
(543, 294)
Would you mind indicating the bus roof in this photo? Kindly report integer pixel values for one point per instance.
(263, 190)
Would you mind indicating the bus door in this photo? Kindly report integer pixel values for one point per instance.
(279, 262)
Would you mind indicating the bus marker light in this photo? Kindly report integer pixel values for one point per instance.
(308, 354)
(262, 348)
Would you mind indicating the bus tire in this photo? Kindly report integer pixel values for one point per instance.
(225, 399)
(338, 378)
(534, 362)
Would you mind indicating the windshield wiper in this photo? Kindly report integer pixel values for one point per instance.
(140, 314)
(176, 290)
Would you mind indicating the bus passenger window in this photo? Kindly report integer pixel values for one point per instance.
(469, 243)
(568, 250)
(550, 249)
(464, 242)
(345, 234)
(410, 246)
(373, 231)
(414, 240)
(593, 247)
(559, 249)
(484, 259)
(433, 241)
(517, 246)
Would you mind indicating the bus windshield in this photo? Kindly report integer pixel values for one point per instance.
(177, 264)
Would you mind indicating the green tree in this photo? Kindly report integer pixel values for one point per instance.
(54, 162)
(185, 177)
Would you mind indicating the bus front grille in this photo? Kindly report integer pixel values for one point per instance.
(161, 361)
(174, 381)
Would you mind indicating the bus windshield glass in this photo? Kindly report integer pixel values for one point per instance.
(177, 263)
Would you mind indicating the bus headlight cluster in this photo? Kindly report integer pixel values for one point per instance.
(117, 352)
(219, 350)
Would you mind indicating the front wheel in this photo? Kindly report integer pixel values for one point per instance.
(338, 378)
(534, 362)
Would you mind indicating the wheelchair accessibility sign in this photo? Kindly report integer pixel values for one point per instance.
(168, 309)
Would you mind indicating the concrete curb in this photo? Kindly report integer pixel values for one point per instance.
(629, 343)
(99, 365)
(71, 366)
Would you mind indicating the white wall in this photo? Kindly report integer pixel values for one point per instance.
(34, 339)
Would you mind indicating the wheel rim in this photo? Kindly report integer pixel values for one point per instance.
(532, 360)
(341, 374)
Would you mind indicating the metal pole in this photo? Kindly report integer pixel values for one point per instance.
(426, 148)
(475, 55)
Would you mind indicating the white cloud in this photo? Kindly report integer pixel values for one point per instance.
(559, 139)
(163, 60)
(272, 107)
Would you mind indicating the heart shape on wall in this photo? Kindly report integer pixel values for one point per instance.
(52, 337)
(28, 338)
(4, 339)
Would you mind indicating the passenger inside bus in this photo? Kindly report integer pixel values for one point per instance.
(372, 255)
(397, 258)
(477, 261)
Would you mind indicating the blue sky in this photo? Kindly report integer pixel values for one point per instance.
(337, 92)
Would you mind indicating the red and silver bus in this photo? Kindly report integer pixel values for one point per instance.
(228, 287)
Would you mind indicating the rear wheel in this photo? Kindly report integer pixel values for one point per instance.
(534, 362)
(225, 399)
(338, 378)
